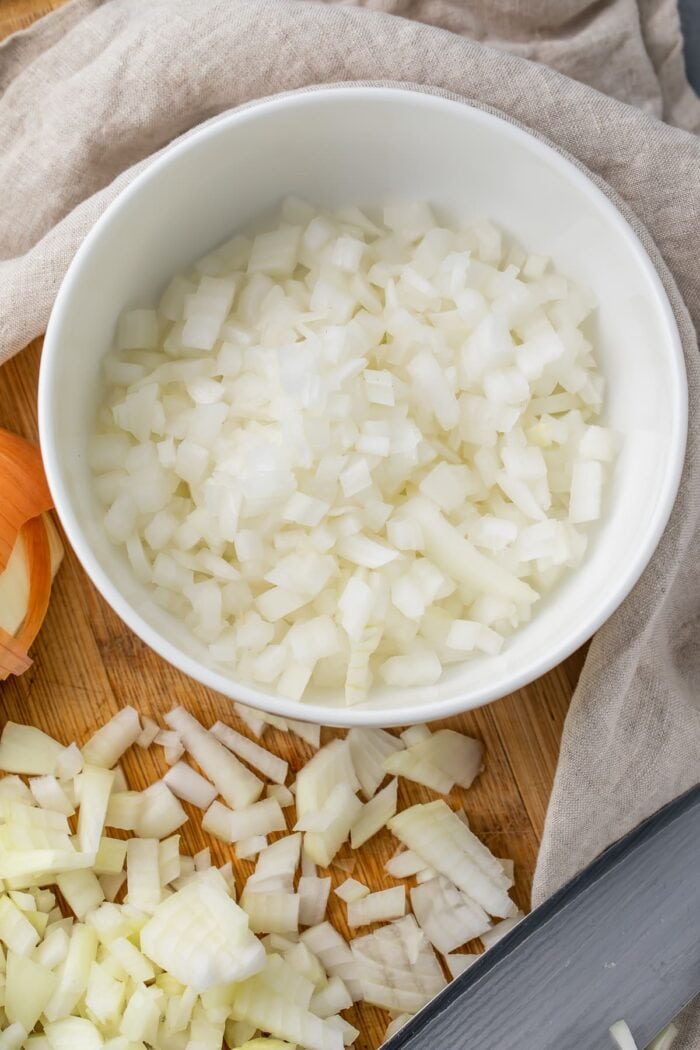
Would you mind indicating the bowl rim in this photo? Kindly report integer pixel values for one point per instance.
(360, 715)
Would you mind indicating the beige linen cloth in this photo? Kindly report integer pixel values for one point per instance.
(92, 91)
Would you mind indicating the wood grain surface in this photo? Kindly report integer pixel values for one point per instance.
(87, 664)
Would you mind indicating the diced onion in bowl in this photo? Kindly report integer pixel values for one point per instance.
(326, 449)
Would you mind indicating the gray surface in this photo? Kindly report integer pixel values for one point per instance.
(690, 22)
(620, 941)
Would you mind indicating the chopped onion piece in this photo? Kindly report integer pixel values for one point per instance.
(148, 733)
(95, 791)
(331, 999)
(29, 986)
(231, 826)
(622, 1036)
(457, 963)
(201, 937)
(497, 932)
(189, 785)
(24, 749)
(271, 912)
(313, 897)
(328, 768)
(374, 815)
(351, 890)
(281, 793)
(81, 891)
(111, 740)
(414, 735)
(250, 847)
(436, 834)
(377, 907)
(396, 1025)
(447, 917)
(344, 808)
(236, 784)
(252, 719)
(161, 813)
(124, 810)
(397, 968)
(143, 874)
(258, 757)
(69, 763)
(49, 794)
(368, 750)
(404, 864)
(335, 955)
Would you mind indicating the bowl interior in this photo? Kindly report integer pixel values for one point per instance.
(367, 146)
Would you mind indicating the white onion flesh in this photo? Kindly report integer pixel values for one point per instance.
(177, 963)
(351, 890)
(112, 739)
(236, 784)
(377, 907)
(326, 442)
(187, 784)
(457, 963)
(441, 839)
(397, 968)
(447, 917)
(264, 761)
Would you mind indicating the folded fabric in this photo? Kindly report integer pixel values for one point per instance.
(90, 93)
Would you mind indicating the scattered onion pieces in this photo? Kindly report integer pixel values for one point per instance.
(158, 948)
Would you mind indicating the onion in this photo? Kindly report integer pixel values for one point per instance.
(49, 794)
(396, 1025)
(236, 784)
(622, 1036)
(178, 960)
(81, 891)
(269, 765)
(439, 837)
(439, 760)
(259, 819)
(409, 409)
(377, 907)
(351, 890)
(457, 964)
(281, 793)
(331, 999)
(368, 750)
(160, 813)
(397, 968)
(24, 749)
(497, 932)
(405, 864)
(447, 917)
(342, 808)
(201, 936)
(96, 786)
(330, 767)
(30, 551)
(335, 955)
(187, 784)
(109, 743)
(374, 815)
(313, 897)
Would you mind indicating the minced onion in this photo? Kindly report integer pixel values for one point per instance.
(344, 451)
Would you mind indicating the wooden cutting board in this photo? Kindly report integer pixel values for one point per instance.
(87, 664)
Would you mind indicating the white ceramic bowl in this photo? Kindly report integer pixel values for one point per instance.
(367, 145)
